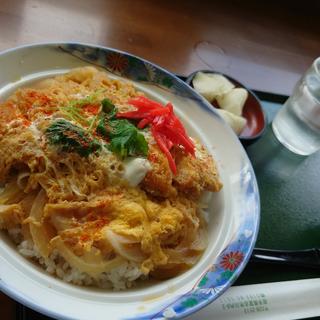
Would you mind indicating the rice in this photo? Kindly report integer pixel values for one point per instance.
(119, 278)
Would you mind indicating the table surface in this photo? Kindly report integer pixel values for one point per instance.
(265, 45)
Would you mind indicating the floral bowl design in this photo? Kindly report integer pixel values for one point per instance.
(234, 212)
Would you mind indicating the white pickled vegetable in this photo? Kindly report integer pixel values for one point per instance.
(233, 101)
(211, 85)
(237, 123)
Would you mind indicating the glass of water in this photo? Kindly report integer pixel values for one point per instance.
(297, 124)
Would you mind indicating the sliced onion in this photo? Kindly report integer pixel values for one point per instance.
(11, 193)
(200, 242)
(120, 246)
(61, 222)
(40, 234)
(22, 180)
(74, 188)
(93, 265)
(182, 255)
(9, 215)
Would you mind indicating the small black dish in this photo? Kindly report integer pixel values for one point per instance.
(252, 111)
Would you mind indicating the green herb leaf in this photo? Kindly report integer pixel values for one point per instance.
(126, 140)
(101, 126)
(109, 111)
(71, 138)
(140, 146)
(108, 107)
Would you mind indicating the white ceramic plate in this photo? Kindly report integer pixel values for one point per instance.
(233, 212)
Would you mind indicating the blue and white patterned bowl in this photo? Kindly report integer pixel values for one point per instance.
(233, 212)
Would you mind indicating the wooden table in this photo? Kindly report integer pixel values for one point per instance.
(264, 45)
(267, 46)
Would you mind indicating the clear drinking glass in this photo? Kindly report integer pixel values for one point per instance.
(297, 124)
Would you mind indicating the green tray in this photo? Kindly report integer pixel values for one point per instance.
(289, 188)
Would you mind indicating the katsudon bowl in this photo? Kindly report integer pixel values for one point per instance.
(232, 214)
